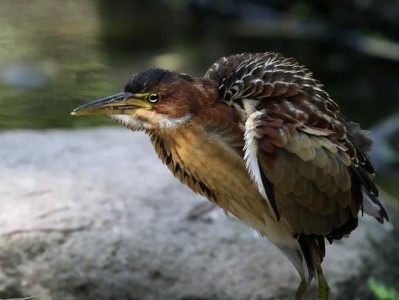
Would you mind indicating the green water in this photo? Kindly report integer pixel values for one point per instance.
(50, 61)
(56, 56)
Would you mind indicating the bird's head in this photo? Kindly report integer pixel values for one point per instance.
(155, 99)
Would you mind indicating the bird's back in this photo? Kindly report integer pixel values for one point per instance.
(303, 154)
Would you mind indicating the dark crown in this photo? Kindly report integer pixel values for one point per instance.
(146, 81)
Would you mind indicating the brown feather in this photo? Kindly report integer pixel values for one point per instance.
(302, 137)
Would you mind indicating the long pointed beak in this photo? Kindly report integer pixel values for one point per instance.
(121, 103)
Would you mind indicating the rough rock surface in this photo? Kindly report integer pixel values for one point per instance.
(93, 214)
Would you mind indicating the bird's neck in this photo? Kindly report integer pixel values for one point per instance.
(178, 148)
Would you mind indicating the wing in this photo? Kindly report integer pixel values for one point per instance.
(306, 159)
(310, 176)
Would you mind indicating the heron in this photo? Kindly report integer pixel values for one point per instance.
(259, 137)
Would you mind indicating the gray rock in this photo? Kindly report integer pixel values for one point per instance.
(93, 214)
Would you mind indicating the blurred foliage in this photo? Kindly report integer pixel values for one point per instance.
(382, 292)
(388, 181)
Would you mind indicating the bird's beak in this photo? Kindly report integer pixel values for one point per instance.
(121, 103)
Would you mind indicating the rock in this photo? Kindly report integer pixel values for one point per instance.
(93, 214)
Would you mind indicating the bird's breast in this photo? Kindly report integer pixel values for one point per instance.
(211, 168)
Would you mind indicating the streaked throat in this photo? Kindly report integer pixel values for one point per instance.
(152, 121)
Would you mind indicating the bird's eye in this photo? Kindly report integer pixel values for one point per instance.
(153, 98)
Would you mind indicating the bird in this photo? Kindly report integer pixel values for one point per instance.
(258, 136)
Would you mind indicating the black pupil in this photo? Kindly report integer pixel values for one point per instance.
(153, 97)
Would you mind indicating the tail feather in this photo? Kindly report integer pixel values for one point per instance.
(373, 207)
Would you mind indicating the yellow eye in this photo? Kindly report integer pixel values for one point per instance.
(153, 98)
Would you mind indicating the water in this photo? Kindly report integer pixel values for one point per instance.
(55, 56)
(49, 60)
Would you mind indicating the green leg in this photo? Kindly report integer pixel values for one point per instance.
(301, 291)
(324, 290)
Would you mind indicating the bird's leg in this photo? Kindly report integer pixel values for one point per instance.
(323, 288)
(301, 290)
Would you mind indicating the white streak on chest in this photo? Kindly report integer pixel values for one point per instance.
(251, 152)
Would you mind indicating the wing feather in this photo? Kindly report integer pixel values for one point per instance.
(305, 157)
